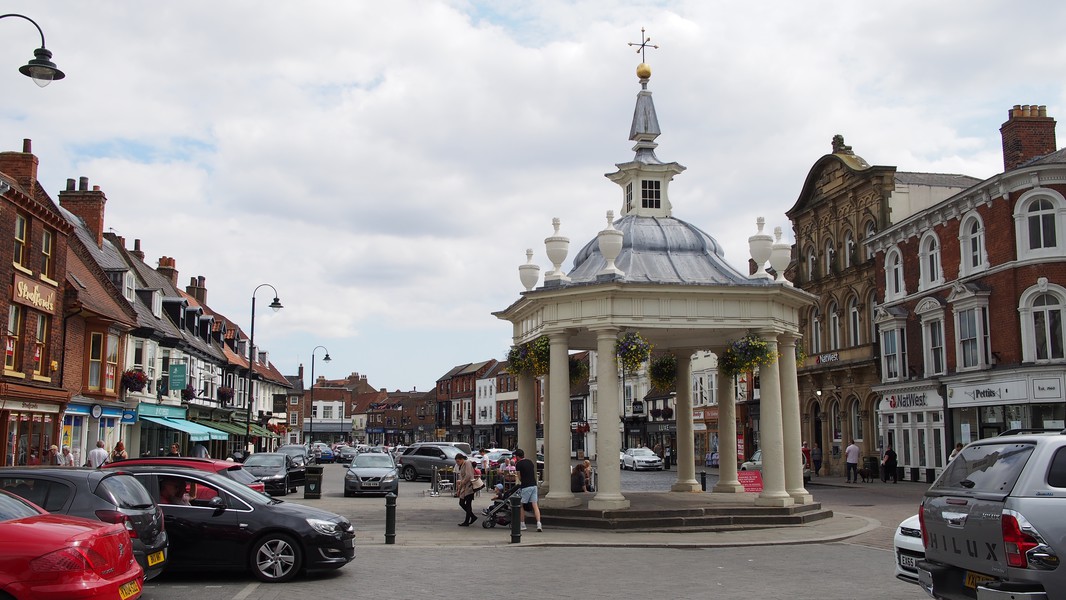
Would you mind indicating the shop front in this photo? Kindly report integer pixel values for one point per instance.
(162, 425)
(911, 421)
(705, 435)
(29, 426)
(1016, 401)
(87, 420)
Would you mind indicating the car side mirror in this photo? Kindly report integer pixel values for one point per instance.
(217, 503)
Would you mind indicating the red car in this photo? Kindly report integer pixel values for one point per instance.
(225, 468)
(50, 556)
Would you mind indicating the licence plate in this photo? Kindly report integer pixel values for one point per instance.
(370, 484)
(129, 590)
(908, 561)
(975, 579)
(155, 558)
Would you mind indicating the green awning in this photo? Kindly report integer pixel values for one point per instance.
(259, 431)
(197, 433)
(226, 426)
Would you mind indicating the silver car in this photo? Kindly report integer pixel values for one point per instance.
(755, 464)
(371, 473)
(639, 459)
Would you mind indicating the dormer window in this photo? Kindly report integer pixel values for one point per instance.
(129, 289)
(157, 304)
(650, 194)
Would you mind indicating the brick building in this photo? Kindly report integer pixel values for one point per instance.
(994, 254)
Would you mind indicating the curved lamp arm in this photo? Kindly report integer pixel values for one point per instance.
(40, 68)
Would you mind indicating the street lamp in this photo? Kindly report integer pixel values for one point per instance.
(41, 68)
(276, 305)
(311, 414)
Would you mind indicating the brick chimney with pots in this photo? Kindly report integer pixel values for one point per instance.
(137, 252)
(1027, 134)
(86, 204)
(168, 267)
(21, 166)
(197, 288)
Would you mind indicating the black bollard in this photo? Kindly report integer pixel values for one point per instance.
(703, 480)
(516, 518)
(390, 518)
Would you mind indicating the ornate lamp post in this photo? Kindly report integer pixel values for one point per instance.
(276, 305)
(311, 413)
(41, 68)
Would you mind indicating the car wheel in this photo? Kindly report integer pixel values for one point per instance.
(276, 559)
(284, 487)
(409, 473)
(348, 494)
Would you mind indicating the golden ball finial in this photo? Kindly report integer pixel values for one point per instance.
(643, 71)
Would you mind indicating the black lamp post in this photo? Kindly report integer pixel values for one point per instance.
(276, 305)
(311, 413)
(41, 68)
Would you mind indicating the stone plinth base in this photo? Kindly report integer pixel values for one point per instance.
(802, 497)
(774, 501)
(686, 486)
(728, 488)
(608, 504)
(559, 502)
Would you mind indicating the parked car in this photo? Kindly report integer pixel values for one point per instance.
(419, 460)
(278, 472)
(755, 464)
(992, 522)
(274, 539)
(371, 474)
(299, 453)
(233, 470)
(346, 453)
(641, 458)
(322, 452)
(108, 495)
(909, 549)
(58, 557)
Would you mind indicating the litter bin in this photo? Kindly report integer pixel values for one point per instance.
(313, 485)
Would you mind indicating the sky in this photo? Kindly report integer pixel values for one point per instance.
(385, 165)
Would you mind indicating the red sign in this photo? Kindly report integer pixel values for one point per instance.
(751, 480)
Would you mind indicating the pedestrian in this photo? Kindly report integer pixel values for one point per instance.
(658, 449)
(806, 455)
(53, 455)
(578, 479)
(851, 458)
(33, 459)
(888, 465)
(66, 459)
(588, 475)
(97, 456)
(119, 453)
(955, 452)
(464, 488)
(527, 487)
(200, 451)
(666, 458)
(816, 458)
(174, 450)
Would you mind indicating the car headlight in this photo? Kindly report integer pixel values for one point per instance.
(323, 526)
(275, 476)
(389, 478)
(349, 476)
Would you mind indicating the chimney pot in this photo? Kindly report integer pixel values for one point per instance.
(27, 145)
(83, 184)
(1028, 133)
(70, 184)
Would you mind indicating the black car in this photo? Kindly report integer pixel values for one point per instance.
(299, 453)
(215, 523)
(346, 454)
(111, 495)
(278, 472)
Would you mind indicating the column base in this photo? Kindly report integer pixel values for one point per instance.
(559, 502)
(801, 496)
(728, 488)
(774, 501)
(686, 486)
(609, 503)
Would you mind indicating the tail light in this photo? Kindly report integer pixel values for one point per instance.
(114, 516)
(921, 523)
(68, 560)
(1017, 541)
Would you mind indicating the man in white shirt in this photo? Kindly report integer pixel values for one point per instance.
(98, 455)
(851, 457)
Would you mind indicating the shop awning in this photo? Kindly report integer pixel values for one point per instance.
(197, 432)
(226, 426)
(259, 431)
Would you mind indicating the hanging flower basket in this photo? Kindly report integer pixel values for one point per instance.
(656, 413)
(531, 358)
(189, 393)
(225, 393)
(134, 380)
(745, 355)
(631, 351)
(663, 372)
(668, 413)
(579, 370)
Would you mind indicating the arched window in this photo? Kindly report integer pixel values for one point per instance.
(1038, 217)
(849, 250)
(1041, 223)
(816, 331)
(834, 327)
(894, 286)
(855, 417)
(812, 264)
(1041, 308)
(830, 258)
(929, 261)
(854, 326)
(972, 245)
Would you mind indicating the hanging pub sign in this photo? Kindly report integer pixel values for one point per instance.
(638, 407)
(177, 374)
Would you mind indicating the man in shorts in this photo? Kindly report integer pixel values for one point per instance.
(527, 487)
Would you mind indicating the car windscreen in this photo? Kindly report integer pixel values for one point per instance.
(991, 468)
(642, 452)
(265, 460)
(238, 474)
(373, 461)
(124, 491)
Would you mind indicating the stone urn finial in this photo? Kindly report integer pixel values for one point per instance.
(557, 247)
(780, 257)
(610, 241)
(760, 246)
(529, 273)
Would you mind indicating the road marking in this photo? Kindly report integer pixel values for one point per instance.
(247, 591)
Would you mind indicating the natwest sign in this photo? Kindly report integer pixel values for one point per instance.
(911, 400)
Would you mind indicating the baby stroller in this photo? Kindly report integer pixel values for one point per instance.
(500, 511)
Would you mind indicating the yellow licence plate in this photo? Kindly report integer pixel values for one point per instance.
(975, 579)
(129, 590)
(155, 558)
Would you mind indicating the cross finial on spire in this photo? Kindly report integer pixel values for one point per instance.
(643, 44)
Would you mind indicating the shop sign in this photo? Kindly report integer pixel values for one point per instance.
(828, 357)
(177, 373)
(911, 400)
(751, 480)
(1047, 389)
(45, 407)
(997, 392)
(129, 417)
(31, 293)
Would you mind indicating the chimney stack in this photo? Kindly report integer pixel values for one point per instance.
(168, 267)
(21, 166)
(137, 252)
(1027, 134)
(197, 289)
(86, 204)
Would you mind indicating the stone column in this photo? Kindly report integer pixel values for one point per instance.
(727, 435)
(527, 412)
(557, 454)
(686, 457)
(771, 439)
(790, 420)
(608, 416)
